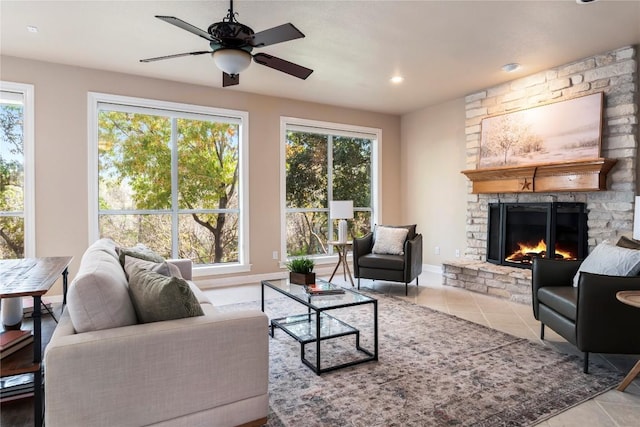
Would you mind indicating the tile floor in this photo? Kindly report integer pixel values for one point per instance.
(613, 408)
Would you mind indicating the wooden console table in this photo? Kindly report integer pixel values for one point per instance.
(31, 277)
(631, 298)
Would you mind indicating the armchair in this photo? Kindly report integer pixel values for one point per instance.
(589, 316)
(393, 267)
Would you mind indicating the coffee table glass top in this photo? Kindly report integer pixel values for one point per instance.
(297, 292)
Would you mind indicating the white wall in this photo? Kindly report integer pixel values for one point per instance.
(61, 151)
(433, 152)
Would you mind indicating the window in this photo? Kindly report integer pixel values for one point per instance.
(17, 216)
(325, 162)
(171, 176)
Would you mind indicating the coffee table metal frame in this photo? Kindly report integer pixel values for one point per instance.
(305, 328)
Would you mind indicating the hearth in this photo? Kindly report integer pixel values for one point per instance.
(519, 232)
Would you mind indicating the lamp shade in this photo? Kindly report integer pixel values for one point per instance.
(232, 61)
(341, 209)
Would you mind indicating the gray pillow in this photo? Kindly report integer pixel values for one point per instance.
(164, 268)
(611, 260)
(139, 251)
(156, 297)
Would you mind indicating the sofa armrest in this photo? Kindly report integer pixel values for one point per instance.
(185, 266)
(413, 257)
(604, 324)
(361, 246)
(551, 272)
(145, 373)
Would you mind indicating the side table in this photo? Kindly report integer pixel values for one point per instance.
(342, 248)
(31, 277)
(631, 298)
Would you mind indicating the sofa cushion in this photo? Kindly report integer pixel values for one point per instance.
(106, 245)
(389, 240)
(98, 297)
(611, 260)
(386, 262)
(563, 299)
(140, 251)
(157, 297)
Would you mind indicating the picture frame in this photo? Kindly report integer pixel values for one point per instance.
(556, 132)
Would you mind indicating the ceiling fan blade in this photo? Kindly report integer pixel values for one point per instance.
(177, 55)
(279, 34)
(282, 65)
(186, 26)
(229, 80)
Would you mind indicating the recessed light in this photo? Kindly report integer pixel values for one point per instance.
(510, 68)
(32, 29)
(585, 1)
(397, 79)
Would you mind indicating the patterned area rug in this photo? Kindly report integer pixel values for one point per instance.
(434, 369)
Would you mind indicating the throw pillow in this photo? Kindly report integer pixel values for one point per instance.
(165, 268)
(626, 242)
(140, 251)
(610, 260)
(156, 297)
(389, 240)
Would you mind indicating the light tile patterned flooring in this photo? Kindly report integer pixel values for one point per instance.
(613, 408)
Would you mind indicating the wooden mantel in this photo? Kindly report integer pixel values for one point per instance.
(577, 175)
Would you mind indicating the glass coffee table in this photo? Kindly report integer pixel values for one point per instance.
(317, 325)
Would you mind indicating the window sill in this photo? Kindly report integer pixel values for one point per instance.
(211, 270)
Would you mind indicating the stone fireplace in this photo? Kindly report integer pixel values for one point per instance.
(608, 214)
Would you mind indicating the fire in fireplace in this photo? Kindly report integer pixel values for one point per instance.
(520, 232)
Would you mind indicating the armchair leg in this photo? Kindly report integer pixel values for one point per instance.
(541, 331)
(358, 283)
(406, 288)
(586, 362)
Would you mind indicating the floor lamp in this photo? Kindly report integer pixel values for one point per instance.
(342, 210)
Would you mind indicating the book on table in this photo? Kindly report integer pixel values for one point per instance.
(16, 386)
(13, 340)
(323, 288)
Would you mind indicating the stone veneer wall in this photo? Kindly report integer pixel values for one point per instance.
(610, 213)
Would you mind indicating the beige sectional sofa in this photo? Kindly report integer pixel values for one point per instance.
(209, 370)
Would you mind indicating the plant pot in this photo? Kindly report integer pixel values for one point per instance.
(302, 278)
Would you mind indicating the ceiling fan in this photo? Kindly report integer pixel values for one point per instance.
(232, 42)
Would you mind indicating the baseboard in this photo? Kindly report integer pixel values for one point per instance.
(431, 268)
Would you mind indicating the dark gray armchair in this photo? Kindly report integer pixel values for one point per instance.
(588, 316)
(394, 268)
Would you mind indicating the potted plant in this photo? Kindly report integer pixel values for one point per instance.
(301, 271)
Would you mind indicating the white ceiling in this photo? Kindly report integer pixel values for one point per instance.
(444, 49)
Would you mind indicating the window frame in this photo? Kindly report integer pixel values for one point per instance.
(28, 133)
(131, 103)
(332, 129)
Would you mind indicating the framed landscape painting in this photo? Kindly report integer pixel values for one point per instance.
(557, 132)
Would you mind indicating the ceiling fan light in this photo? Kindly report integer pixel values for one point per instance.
(232, 61)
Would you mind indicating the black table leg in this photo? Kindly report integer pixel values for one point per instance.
(37, 358)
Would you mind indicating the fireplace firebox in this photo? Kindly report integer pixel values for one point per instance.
(519, 232)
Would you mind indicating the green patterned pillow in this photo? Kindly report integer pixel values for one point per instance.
(139, 251)
(156, 297)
